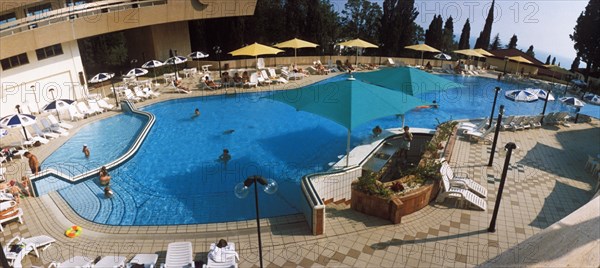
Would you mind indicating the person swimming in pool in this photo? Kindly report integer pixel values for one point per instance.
(196, 113)
(225, 157)
(229, 131)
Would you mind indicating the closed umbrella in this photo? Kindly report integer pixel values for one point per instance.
(295, 44)
(153, 64)
(255, 50)
(18, 120)
(101, 77)
(521, 95)
(58, 105)
(423, 48)
(357, 43)
(354, 102)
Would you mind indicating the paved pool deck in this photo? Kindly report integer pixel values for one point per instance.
(546, 182)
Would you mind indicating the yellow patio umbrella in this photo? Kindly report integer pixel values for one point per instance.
(357, 43)
(255, 50)
(423, 48)
(483, 52)
(295, 44)
(557, 69)
(519, 59)
(469, 53)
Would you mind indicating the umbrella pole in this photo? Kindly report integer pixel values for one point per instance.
(348, 149)
(422, 59)
(295, 57)
(25, 132)
(356, 57)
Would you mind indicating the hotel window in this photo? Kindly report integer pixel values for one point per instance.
(37, 10)
(48, 52)
(71, 3)
(7, 18)
(14, 61)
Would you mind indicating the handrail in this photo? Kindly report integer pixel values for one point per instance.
(66, 13)
(124, 158)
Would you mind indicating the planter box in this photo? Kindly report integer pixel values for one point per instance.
(396, 207)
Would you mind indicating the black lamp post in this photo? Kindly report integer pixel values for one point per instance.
(18, 107)
(546, 104)
(55, 104)
(509, 147)
(218, 52)
(496, 135)
(241, 191)
(493, 106)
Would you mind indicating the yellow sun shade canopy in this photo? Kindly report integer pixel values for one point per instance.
(422, 47)
(357, 43)
(295, 43)
(255, 49)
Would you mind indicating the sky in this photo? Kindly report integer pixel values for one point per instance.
(544, 24)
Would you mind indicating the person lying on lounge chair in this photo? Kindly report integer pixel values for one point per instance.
(222, 252)
(211, 83)
(245, 77)
(237, 79)
(348, 65)
(179, 85)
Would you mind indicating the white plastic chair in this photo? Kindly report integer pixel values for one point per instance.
(179, 254)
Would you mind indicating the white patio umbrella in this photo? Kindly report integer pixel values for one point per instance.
(541, 94)
(153, 64)
(197, 55)
(521, 95)
(18, 120)
(443, 56)
(592, 98)
(572, 101)
(58, 105)
(101, 77)
(174, 61)
(135, 72)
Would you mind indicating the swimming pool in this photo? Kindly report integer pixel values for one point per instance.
(175, 178)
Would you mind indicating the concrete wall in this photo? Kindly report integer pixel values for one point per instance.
(173, 36)
(59, 72)
(511, 66)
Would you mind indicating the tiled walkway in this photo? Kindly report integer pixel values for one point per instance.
(546, 182)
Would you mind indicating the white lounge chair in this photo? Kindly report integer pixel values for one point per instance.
(103, 104)
(480, 136)
(261, 80)
(274, 77)
(291, 75)
(74, 114)
(132, 97)
(467, 126)
(253, 81)
(84, 109)
(260, 63)
(148, 260)
(48, 126)
(141, 94)
(462, 182)
(94, 107)
(111, 261)
(4, 196)
(506, 123)
(56, 123)
(77, 261)
(151, 93)
(461, 194)
(222, 257)
(27, 246)
(179, 254)
(44, 133)
(10, 213)
(34, 138)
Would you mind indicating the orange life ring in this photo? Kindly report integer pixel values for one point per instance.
(73, 231)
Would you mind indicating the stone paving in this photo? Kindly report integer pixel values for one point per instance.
(546, 181)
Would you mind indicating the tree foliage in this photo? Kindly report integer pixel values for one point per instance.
(586, 36)
(448, 43)
(433, 35)
(554, 61)
(513, 42)
(530, 51)
(548, 59)
(398, 21)
(496, 44)
(361, 19)
(575, 64)
(104, 53)
(464, 36)
(484, 37)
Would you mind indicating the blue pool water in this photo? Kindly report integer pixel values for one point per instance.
(175, 178)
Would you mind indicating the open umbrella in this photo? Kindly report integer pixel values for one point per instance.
(483, 52)
(410, 81)
(255, 50)
(198, 55)
(153, 64)
(357, 43)
(521, 95)
(18, 120)
(572, 101)
(442, 56)
(101, 77)
(349, 103)
(592, 98)
(541, 94)
(135, 72)
(423, 48)
(469, 53)
(295, 44)
(58, 105)
(175, 60)
(557, 69)
(519, 59)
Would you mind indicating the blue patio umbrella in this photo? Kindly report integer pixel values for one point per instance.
(408, 80)
(521, 95)
(349, 103)
(18, 120)
(592, 98)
